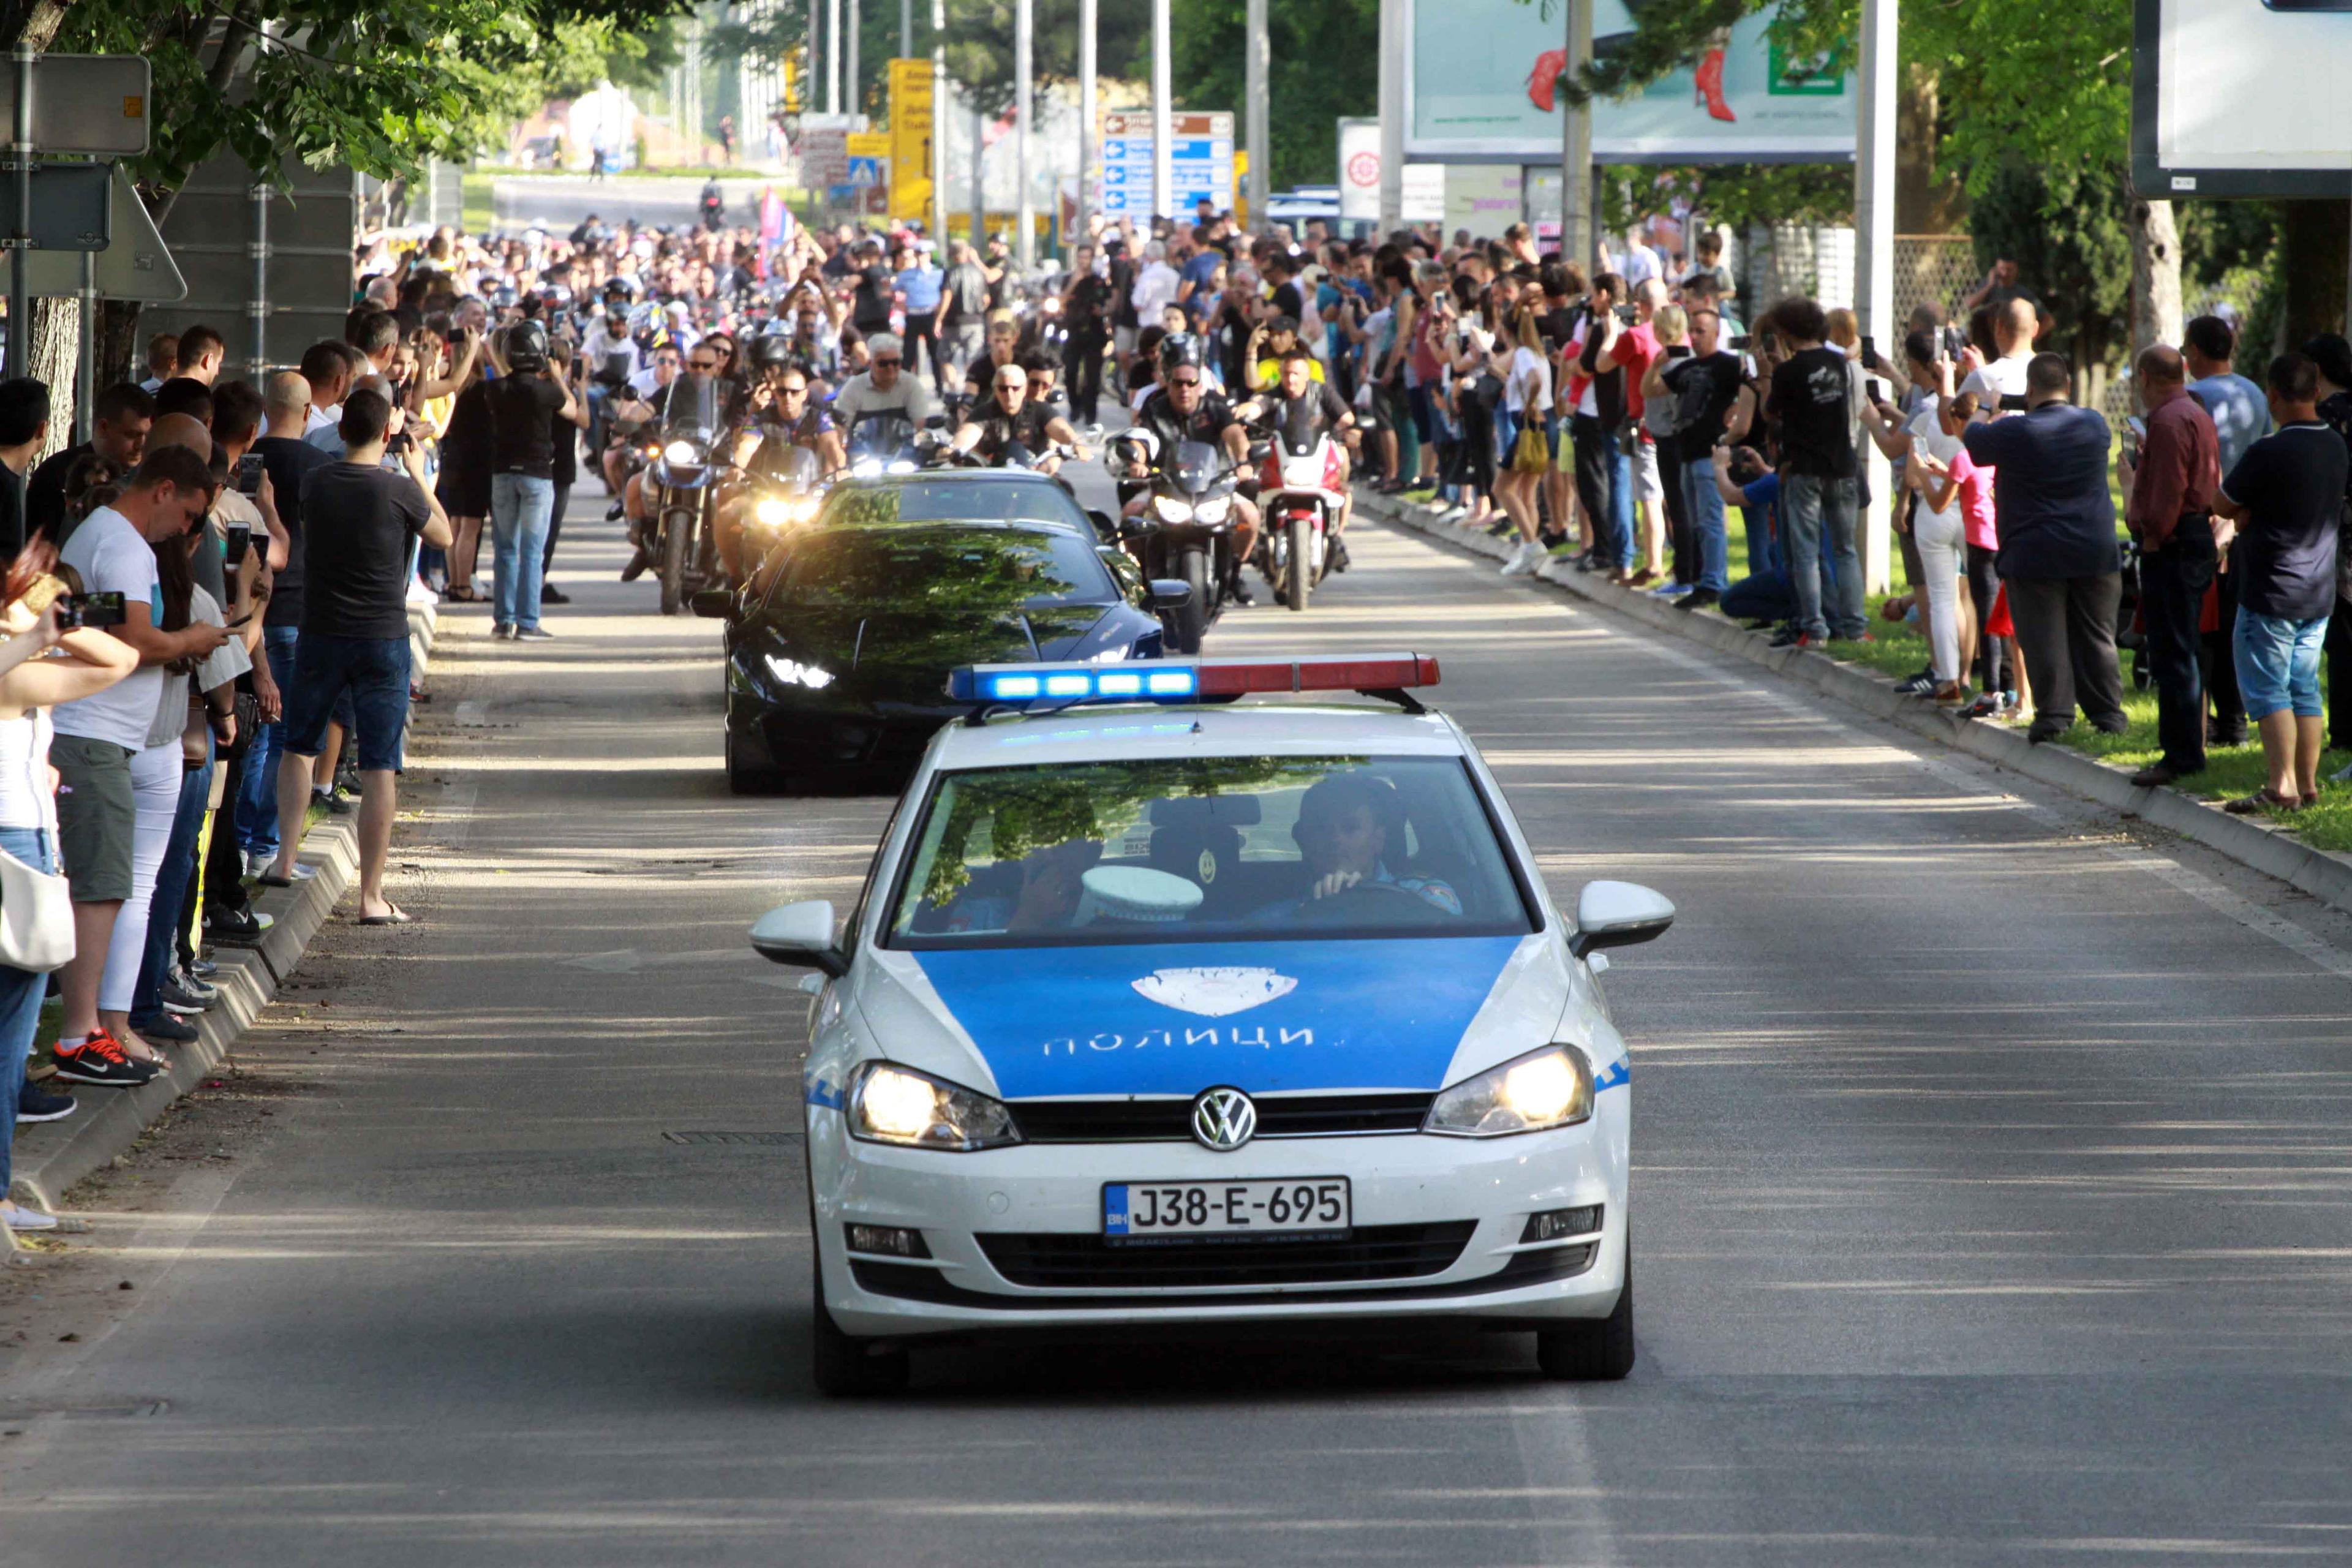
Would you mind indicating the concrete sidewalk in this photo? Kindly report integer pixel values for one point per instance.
(50, 1157)
(2271, 849)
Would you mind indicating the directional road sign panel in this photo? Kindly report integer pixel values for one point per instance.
(1200, 161)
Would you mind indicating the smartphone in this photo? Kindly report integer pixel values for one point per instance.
(2012, 402)
(1869, 352)
(1740, 343)
(239, 541)
(248, 475)
(97, 611)
(240, 620)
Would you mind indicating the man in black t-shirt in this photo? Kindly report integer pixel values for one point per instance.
(1703, 387)
(524, 405)
(2286, 496)
(870, 301)
(119, 419)
(1816, 403)
(1183, 409)
(289, 460)
(362, 523)
(1302, 410)
(1011, 419)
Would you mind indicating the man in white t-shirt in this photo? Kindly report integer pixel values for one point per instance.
(97, 737)
(2013, 331)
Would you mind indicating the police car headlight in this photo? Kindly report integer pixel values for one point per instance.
(1214, 509)
(1549, 1087)
(1171, 510)
(891, 1104)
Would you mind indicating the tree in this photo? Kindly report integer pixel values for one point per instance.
(273, 82)
(2069, 231)
(1321, 66)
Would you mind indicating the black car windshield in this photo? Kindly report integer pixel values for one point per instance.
(948, 569)
(1192, 849)
(948, 501)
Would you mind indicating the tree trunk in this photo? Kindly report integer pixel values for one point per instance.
(119, 353)
(2155, 273)
(2319, 260)
(53, 353)
(1924, 203)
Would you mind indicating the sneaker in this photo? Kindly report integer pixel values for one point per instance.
(203, 969)
(1918, 685)
(1787, 636)
(165, 1029)
(15, 1216)
(547, 595)
(1528, 557)
(502, 632)
(342, 802)
(541, 633)
(1698, 599)
(238, 925)
(99, 1061)
(35, 1104)
(1861, 638)
(179, 999)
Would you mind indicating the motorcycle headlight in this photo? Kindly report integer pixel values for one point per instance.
(792, 672)
(865, 468)
(891, 1104)
(900, 466)
(772, 511)
(681, 453)
(1214, 509)
(1549, 1087)
(1167, 508)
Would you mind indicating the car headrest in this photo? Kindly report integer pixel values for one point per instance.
(1199, 811)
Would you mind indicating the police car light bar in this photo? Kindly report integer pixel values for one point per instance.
(1390, 675)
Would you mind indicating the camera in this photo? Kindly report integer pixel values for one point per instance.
(97, 611)
(239, 541)
(248, 475)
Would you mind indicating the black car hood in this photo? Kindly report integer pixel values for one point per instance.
(899, 648)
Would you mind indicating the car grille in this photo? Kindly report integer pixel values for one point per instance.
(915, 1282)
(1171, 1121)
(1064, 1262)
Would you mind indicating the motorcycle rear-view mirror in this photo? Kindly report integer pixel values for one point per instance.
(713, 602)
(1170, 593)
(1105, 525)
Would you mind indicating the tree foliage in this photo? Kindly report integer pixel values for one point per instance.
(2069, 232)
(1322, 64)
(379, 87)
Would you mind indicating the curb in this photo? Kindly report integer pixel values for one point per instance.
(50, 1157)
(2270, 850)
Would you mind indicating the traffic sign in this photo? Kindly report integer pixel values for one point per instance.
(83, 104)
(135, 265)
(1200, 161)
(911, 138)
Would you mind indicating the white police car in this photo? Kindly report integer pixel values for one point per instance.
(1155, 1009)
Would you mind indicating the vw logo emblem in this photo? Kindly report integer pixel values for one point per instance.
(1223, 1119)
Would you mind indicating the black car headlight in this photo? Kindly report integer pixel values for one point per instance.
(891, 1104)
(1549, 1087)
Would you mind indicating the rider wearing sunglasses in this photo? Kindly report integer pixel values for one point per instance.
(884, 386)
(1011, 418)
(1185, 407)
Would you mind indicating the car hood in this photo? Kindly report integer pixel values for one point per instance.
(1173, 1019)
(892, 644)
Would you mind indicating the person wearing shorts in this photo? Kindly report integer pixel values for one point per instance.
(355, 637)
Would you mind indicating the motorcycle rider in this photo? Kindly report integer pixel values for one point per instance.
(1012, 419)
(784, 415)
(1300, 409)
(1003, 349)
(1182, 409)
(714, 204)
(885, 387)
(701, 381)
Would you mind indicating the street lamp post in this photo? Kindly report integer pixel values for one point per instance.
(1578, 243)
(1392, 109)
(1024, 24)
(832, 56)
(1163, 177)
(1874, 215)
(849, 56)
(939, 132)
(1255, 61)
(1087, 113)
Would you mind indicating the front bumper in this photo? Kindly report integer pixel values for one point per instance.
(1407, 1185)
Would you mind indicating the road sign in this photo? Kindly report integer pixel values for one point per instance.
(135, 265)
(824, 156)
(1200, 161)
(911, 120)
(83, 104)
(70, 206)
(865, 173)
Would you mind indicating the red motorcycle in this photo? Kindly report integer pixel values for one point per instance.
(1299, 494)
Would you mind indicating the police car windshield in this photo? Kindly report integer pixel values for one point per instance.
(947, 500)
(1192, 849)
(948, 569)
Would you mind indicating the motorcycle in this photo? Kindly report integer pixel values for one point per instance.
(785, 495)
(1186, 531)
(1300, 494)
(886, 442)
(687, 465)
(714, 208)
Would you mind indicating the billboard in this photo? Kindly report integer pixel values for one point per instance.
(2241, 97)
(1480, 86)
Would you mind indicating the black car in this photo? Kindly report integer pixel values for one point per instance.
(839, 647)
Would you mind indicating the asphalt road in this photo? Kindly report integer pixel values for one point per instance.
(1992, 1184)
(556, 201)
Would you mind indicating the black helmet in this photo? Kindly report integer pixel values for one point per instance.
(526, 347)
(1179, 349)
(769, 351)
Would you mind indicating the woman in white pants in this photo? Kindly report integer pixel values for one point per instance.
(1940, 531)
(155, 791)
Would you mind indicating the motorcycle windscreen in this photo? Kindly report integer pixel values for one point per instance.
(1198, 466)
(882, 435)
(693, 413)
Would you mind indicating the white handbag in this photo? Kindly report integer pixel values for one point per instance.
(36, 919)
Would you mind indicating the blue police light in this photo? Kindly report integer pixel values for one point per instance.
(1186, 681)
(1064, 683)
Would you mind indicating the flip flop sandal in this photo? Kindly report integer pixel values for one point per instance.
(398, 917)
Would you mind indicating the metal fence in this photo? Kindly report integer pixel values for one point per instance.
(1782, 259)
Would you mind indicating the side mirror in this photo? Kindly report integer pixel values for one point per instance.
(800, 935)
(713, 602)
(1105, 525)
(1174, 593)
(1618, 914)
